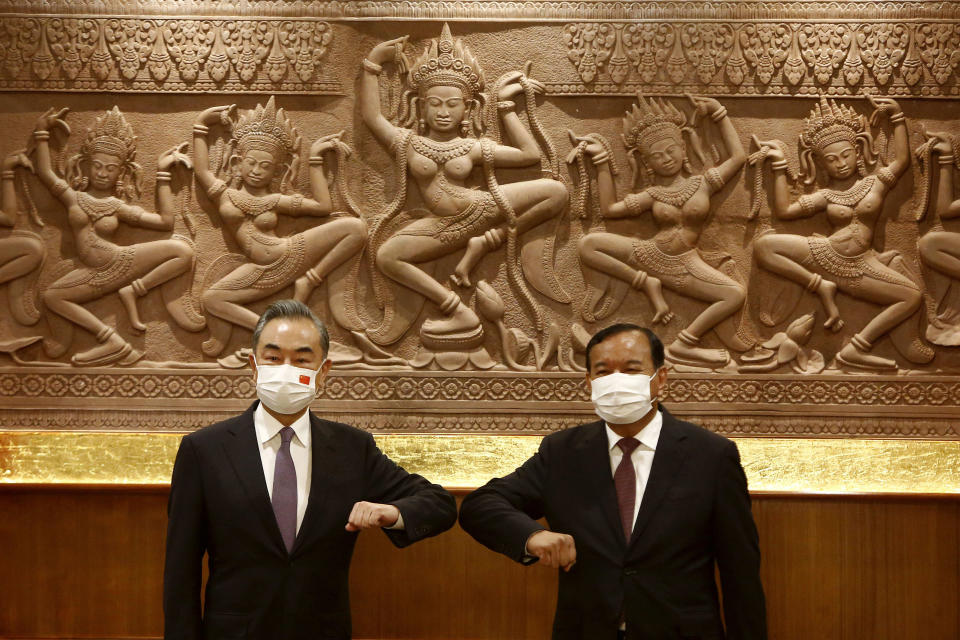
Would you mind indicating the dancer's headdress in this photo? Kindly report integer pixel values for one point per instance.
(266, 128)
(110, 134)
(446, 62)
(828, 123)
(650, 121)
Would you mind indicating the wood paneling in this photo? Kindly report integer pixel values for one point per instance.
(88, 562)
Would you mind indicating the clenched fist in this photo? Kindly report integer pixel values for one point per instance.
(555, 550)
(369, 515)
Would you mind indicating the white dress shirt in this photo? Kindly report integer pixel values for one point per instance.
(642, 456)
(268, 435)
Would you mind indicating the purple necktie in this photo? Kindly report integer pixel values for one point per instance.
(285, 490)
(625, 480)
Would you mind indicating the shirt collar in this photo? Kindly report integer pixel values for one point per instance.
(649, 436)
(268, 427)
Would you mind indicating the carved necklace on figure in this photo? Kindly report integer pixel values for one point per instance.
(676, 197)
(851, 196)
(97, 208)
(251, 205)
(442, 152)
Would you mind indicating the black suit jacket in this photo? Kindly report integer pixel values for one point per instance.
(695, 512)
(219, 505)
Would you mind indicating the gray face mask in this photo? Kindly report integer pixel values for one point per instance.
(621, 398)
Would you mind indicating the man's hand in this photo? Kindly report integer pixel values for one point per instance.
(555, 550)
(369, 515)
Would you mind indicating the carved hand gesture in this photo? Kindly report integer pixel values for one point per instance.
(18, 159)
(330, 143)
(775, 148)
(52, 118)
(704, 106)
(881, 106)
(512, 83)
(218, 115)
(174, 156)
(594, 148)
(943, 144)
(387, 51)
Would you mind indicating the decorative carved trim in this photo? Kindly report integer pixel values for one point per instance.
(276, 55)
(478, 402)
(183, 55)
(762, 58)
(517, 10)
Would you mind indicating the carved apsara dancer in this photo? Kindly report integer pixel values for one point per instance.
(267, 146)
(101, 180)
(940, 249)
(440, 151)
(21, 251)
(679, 202)
(837, 140)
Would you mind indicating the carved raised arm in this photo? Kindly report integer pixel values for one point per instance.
(731, 140)
(201, 148)
(526, 152)
(369, 94)
(901, 142)
(50, 119)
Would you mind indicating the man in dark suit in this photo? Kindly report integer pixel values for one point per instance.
(275, 498)
(641, 506)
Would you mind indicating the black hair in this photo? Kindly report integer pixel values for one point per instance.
(656, 347)
(291, 309)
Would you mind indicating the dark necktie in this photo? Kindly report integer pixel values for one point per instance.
(285, 490)
(625, 480)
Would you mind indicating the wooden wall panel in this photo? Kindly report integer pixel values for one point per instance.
(83, 562)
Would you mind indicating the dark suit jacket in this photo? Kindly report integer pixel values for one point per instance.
(695, 512)
(219, 505)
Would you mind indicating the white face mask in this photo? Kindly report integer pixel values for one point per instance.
(621, 398)
(285, 388)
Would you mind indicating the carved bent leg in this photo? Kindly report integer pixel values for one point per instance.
(703, 282)
(534, 202)
(229, 304)
(21, 255)
(785, 255)
(613, 254)
(154, 263)
(327, 247)
(903, 300)
(112, 347)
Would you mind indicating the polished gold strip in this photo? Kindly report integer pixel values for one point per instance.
(788, 465)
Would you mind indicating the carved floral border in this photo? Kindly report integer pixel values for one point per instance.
(725, 56)
(817, 406)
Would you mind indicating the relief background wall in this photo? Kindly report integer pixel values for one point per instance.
(163, 63)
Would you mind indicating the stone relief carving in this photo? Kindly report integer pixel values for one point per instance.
(655, 133)
(482, 264)
(445, 105)
(261, 161)
(836, 141)
(102, 177)
(22, 251)
(939, 249)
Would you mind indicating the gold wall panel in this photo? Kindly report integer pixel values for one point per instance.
(787, 465)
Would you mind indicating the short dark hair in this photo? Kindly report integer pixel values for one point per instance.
(656, 347)
(291, 309)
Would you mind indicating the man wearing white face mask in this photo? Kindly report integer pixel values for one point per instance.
(642, 508)
(275, 498)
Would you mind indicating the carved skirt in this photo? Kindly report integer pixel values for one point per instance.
(849, 270)
(675, 269)
(113, 275)
(276, 275)
(479, 216)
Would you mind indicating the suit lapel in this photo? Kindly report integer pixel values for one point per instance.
(667, 463)
(324, 466)
(243, 452)
(594, 458)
